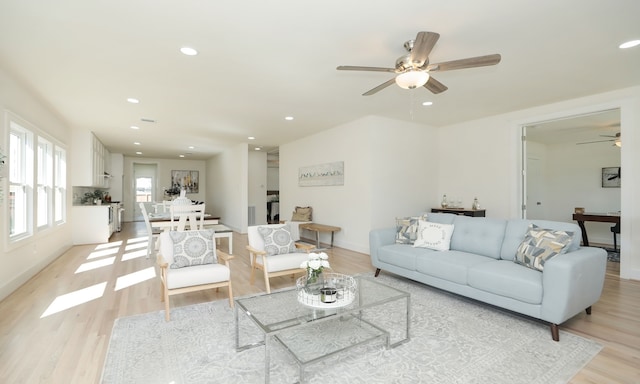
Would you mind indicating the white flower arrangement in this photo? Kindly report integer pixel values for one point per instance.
(315, 265)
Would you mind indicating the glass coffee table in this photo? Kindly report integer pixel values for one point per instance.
(311, 334)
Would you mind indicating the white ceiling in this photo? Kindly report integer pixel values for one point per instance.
(262, 60)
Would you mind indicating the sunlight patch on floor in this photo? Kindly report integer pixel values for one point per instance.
(110, 245)
(96, 264)
(137, 239)
(135, 278)
(135, 254)
(142, 244)
(102, 253)
(76, 298)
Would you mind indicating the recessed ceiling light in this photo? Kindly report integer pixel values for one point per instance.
(181, 156)
(138, 153)
(629, 44)
(133, 101)
(289, 118)
(251, 138)
(136, 143)
(191, 147)
(188, 51)
(427, 103)
(257, 148)
(135, 127)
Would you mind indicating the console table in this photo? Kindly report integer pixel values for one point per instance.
(597, 217)
(461, 211)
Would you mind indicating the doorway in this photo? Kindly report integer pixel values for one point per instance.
(144, 188)
(562, 169)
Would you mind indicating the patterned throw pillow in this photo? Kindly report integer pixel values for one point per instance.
(302, 214)
(193, 248)
(407, 229)
(540, 245)
(277, 240)
(434, 236)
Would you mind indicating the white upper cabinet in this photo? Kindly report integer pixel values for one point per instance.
(89, 157)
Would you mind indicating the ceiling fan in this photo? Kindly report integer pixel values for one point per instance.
(414, 70)
(617, 140)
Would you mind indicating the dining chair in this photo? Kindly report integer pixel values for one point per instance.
(181, 214)
(150, 236)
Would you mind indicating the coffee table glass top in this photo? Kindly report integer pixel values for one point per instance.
(280, 310)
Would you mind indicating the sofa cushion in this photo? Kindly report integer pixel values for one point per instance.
(508, 279)
(400, 255)
(443, 218)
(448, 265)
(407, 229)
(540, 245)
(434, 236)
(479, 235)
(517, 229)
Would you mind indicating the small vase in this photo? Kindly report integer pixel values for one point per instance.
(315, 282)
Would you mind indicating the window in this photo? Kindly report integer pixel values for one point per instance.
(45, 183)
(37, 180)
(60, 180)
(20, 181)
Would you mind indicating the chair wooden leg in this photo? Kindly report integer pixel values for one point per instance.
(161, 290)
(230, 295)
(266, 280)
(167, 311)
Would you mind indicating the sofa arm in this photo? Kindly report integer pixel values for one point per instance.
(572, 282)
(379, 238)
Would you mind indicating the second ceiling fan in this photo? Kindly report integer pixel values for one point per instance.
(414, 70)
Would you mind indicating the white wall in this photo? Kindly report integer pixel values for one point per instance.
(382, 176)
(483, 158)
(163, 179)
(574, 180)
(257, 185)
(227, 186)
(20, 263)
(273, 178)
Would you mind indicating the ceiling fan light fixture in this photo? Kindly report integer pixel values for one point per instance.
(412, 79)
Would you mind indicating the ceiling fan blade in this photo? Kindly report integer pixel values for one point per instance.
(471, 62)
(435, 86)
(380, 87)
(592, 142)
(422, 46)
(358, 68)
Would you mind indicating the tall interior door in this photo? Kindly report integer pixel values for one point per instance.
(144, 188)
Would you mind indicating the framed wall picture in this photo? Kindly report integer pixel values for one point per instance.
(187, 180)
(611, 177)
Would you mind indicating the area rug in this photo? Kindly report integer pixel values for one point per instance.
(453, 340)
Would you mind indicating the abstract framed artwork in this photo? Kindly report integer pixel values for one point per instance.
(187, 180)
(611, 177)
(321, 174)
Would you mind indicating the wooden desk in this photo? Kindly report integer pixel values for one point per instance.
(597, 217)
(317, 228)
(461, 211)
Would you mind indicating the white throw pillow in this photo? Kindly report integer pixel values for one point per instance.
(434, 235)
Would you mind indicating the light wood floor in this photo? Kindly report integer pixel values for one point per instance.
(38, 345)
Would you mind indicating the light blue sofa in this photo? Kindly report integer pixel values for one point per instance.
(480, 265)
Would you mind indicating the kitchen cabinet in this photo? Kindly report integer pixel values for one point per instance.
(92, 224)
(89, 158)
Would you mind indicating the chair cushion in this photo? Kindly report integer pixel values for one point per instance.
(540, 245)
(193, 248)
(197, 275)
(283, 262)
(277, 240)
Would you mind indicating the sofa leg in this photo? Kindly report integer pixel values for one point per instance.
(555, 333)
(377, 272)
(588, 310)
